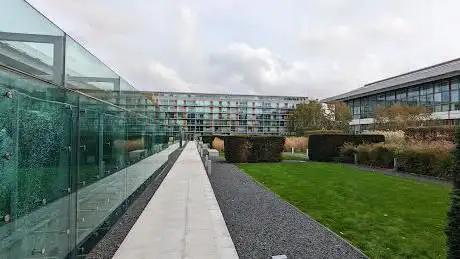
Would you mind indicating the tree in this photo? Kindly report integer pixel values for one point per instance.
(453, 225)
(314, 115)
(339, 116)
(399, 117)
(306, 116)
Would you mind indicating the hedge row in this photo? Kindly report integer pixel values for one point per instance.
(320, 132)
(423, 158)
(326, 147)
(430, 133)
(242, 149)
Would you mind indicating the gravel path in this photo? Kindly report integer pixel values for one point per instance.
(262, 225)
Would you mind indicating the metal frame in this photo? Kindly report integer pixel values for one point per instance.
(58, 43)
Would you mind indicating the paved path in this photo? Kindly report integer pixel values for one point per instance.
(182, 220)
(263, 225)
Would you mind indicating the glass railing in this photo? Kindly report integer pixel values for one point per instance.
(67, 162)
(76, 139)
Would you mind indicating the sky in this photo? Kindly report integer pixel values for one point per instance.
(313, 48)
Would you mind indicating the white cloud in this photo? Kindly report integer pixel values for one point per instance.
(166, 78)
(258, 70)
(316, 48)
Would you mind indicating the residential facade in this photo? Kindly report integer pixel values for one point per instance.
(435, 87)
(199, 114)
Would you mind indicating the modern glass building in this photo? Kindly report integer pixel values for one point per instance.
(70, 161)
(435, 87)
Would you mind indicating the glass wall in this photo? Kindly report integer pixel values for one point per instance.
(76, 139)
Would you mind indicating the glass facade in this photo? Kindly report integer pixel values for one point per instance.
(437, 96)
(198, 114)
(76, 140)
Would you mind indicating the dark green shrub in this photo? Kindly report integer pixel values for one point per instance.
(425, 162)
(379, 155)
(253, 148)
(453, 225)
(207, 139)
(326, 147)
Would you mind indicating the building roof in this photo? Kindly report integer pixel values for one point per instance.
(427, 74)
(229, 94)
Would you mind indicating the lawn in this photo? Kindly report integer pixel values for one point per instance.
(384, 216)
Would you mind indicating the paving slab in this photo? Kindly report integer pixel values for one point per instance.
(183, 218)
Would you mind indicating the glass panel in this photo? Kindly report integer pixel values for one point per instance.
(454, 96)
(445, 96)
(401, 95)
(104, 167)
(41, 208)
(437, 97)
(445, 107)
(85, 72)
(125, 86)
(455, 83)
(9, 173)
(20, 17)
(29, 41)
(414, 91)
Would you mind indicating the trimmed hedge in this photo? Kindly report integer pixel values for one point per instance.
(326, 147)
(253, 149)
(378, 155)
(453, 220)
(423, 158)
(319, 132)
(430, 133)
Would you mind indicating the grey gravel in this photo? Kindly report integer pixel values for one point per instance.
(110, 243)
(262, 225)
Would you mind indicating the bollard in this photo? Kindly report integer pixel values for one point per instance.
(292, 150)
(355, 155)
(395, 164)
(209, 166)
(306, 155)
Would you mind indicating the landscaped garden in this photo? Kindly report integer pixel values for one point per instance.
(384, 216)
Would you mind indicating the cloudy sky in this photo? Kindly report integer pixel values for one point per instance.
(314, 48)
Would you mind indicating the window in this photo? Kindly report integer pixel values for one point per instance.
(413, 96)
(441, 96)
(401, 96)
(390, 99)
(381, 100)
(365, 108)
(426, 96)
(356, 109)
(455, 98)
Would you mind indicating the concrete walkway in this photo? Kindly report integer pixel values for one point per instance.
(183, 219)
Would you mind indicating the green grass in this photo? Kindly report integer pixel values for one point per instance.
(295, 156)
(384, 216)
